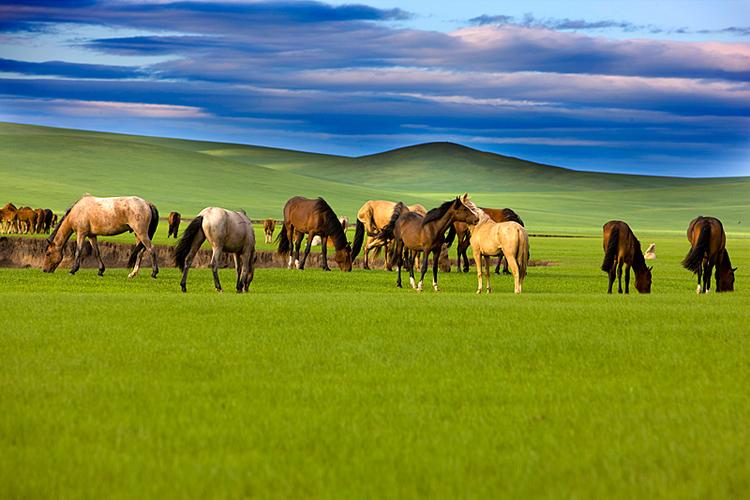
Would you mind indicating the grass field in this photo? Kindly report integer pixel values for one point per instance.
(339, 385)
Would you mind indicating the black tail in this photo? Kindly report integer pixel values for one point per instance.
(153, 223)
(182, 249)
(387, 232)
(611, 252)
(359, 238)
(285, 245)
(450, 236)
(694, 258)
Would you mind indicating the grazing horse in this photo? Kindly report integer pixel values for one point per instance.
(269, 225)
(413, 233)
(621, 247)
(372, 217)
(39, 225)
(226, 231)
(314, 218)
(26, 220)
(490, 238)
(48, 220)
(461, 231)
(173, 220)
(90, 217)
(708, 249)
(8, 217)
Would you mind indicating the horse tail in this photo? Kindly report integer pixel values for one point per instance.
(387, 232)
(522, 252)
(611, 252)
(182, 249)
(359, 237)
(694, 258)
(450, 236)
(151, 232)
(283, 239)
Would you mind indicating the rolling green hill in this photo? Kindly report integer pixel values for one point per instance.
(52, 167)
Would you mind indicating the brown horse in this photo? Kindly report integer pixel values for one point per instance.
(48, 218)
(621, 247)
(314, 218)
(461, 231)
(8, 217)
(372, 217)
(26, 220)
(708, 250)
(173, 220)
(269, 225)
(39, 225)
(413, 233)
(90, 217)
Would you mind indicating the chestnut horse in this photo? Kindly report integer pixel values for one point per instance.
(173, 220)
(26, 220)
(461, 231)
(269, 225)
(226, 231)
(8, 217)
(314, 218)
(412, 233)
(90, 217)
(622, 248)
(708, 249)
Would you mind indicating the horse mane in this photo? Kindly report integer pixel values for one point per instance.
(511, 215)
(438, 212)
(59, 223)
(483, 217)
(639, 261)
(331, 225)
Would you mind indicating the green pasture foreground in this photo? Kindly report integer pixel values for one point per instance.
(341, 386)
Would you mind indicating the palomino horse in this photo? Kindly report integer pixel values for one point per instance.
(372, 217)
(622, 248)
(413, 233)
(173, 220)
(90, 217)
(708, 249)
(314, 218)
(226, 231)
(490, 238)
(269, 225)
(461, 231)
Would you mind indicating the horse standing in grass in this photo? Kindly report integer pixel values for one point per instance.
(39, 224)
(413, 233)
(372, 217)
(708, 250)
(90, 217)
(622, 248)
(226, 231)
(8, 217)
(26, 220)
(490, 238)
(314, 218)
(173, 220)
(48, 220)
(269, 225)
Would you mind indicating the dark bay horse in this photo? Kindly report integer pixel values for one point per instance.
(90, 217)
(173, 220)
(460, 231)
(269, 225)
(414, 233)
(621, 247)
(226, 231)
(314, 218)
(708, 250)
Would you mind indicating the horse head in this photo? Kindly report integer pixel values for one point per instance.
(343, 258)
(52, 257)
(643, 281)
(725, 279)
(462, 212)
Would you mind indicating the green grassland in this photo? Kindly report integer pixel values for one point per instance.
(51, 167)
(340, 385)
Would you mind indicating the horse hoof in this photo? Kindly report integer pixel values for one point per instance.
(100, 273)
(698, 290)
(220, 290)
(184, 289)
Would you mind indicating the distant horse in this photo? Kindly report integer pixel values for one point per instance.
(622, 248)
(39, 224)
(344, 220)
(461, 231)
(650, 252)
(269, 225)
(372, 217)
(226, 231)
(8, 217)
(26, 220)
(48, 220)
(90, 217)
(490, 238)
(413, 233)
(708, 249)
(173, 220)
(314, 218)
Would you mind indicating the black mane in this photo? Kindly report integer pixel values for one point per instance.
(438, 212)
(331, 225)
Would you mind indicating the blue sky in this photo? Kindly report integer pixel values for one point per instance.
(657, 87)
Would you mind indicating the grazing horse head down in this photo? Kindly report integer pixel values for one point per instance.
(708, 250)
(622, 248)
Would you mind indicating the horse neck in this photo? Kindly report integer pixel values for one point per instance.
(63, 233)
(338, 237)
(443, 222)
(639, 261)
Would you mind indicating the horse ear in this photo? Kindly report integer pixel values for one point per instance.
(650, 268)
(734, 269)
(465, 197)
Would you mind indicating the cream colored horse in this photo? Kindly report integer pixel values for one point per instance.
(90, 217)
(490, 238)
(372, 217)
(226, 231)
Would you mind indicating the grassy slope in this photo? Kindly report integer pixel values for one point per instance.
(339, 385)
(52, 167)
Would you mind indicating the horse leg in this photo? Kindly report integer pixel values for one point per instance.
(707, 268)
(627, 278)
(487, 265)
(324, 252)
(301, 265)
(248, 269)
(435, 259)
(611, 274)
(80, 237)
(97, 254)
(466, 257)
(425, 264)
(189, 261)
(399, 262)
(238, 268)
(215, 267)
(513, 265)
(366, 264)
(619, 277)
(410, 264)
(480, 269)
(151, 249)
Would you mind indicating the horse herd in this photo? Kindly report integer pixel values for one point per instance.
(26, 220)
(409, 234)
